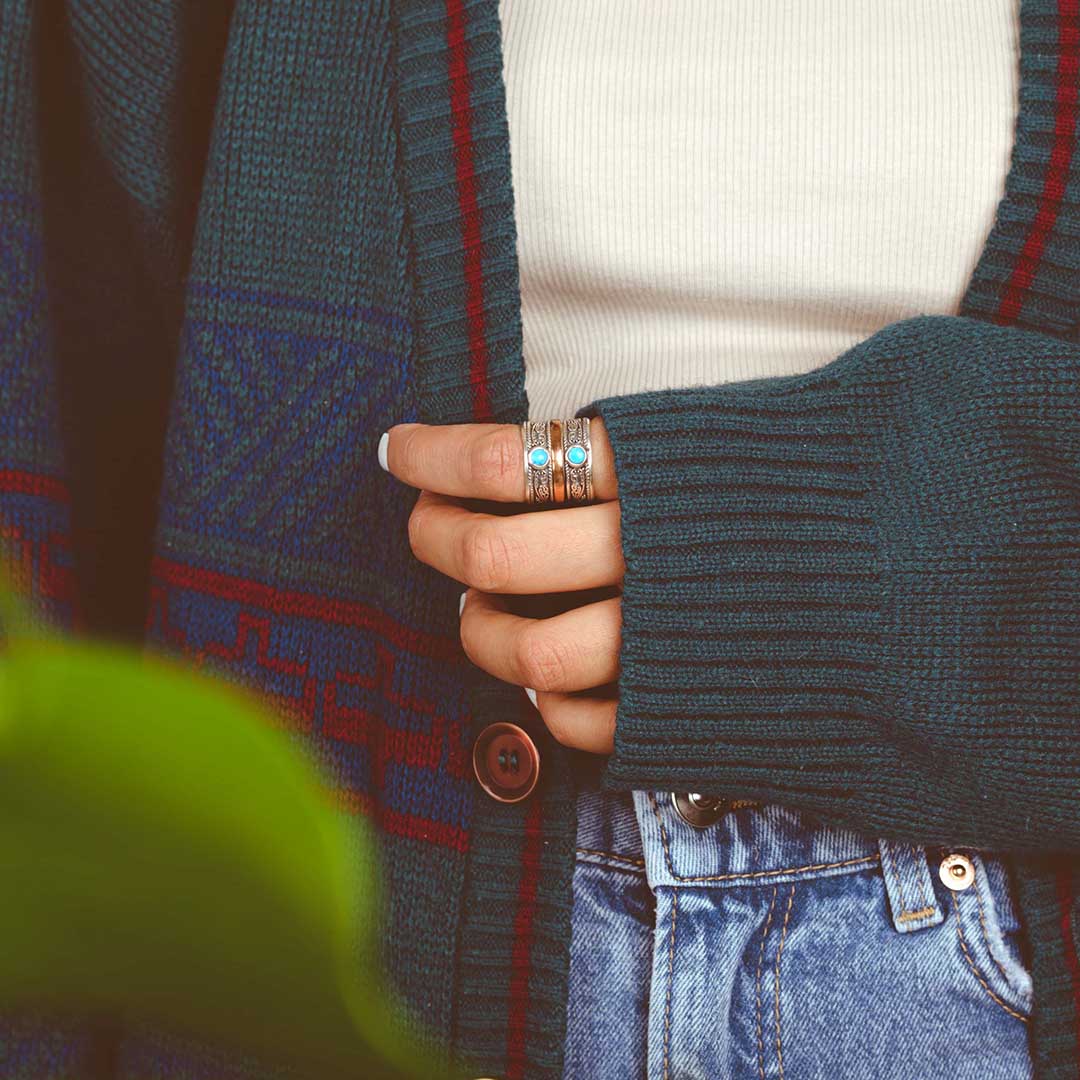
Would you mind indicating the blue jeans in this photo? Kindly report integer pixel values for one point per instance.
(769, 946)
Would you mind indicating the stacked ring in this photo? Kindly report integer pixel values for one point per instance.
(558, 461)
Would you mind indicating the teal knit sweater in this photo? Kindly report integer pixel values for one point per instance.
(239, 240)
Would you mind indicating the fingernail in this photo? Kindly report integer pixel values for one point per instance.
(384, 443)
(461, 603)
(531, 695)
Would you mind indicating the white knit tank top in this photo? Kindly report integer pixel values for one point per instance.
(708, 191)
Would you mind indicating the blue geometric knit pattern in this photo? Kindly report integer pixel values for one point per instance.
(270, 447)
(267, 459)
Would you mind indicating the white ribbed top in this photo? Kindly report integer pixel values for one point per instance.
(708, 191)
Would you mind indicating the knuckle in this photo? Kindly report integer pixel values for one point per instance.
(486, 557)
(492, 460)
(544, 661)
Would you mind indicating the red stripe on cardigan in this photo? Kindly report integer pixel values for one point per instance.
(1072, 961)
(1057, 175)
(440, 748)
(20, 482)
(521, 955)
(461, 112)
(290, 603)
(30, 565)
(410, 826)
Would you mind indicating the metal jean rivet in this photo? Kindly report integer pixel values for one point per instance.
(957, 872)
(704, 802)
(697, 810)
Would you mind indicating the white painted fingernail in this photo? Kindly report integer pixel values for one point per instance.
(531, 695)
(384, 443)
(461, 603)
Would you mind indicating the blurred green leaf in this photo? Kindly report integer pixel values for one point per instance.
(166, 854)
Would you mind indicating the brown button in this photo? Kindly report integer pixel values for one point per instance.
(506, 762)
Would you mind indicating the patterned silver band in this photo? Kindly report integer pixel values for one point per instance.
(558, 461)
(577, 455)
(538, 462)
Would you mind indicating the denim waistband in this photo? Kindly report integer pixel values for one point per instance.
(748, 845)
(758, 845)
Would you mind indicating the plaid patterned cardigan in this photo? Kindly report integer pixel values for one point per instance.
(288, 225)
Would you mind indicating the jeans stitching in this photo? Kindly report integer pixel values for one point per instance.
(918, 877)
(747, 876)
(757, 983)
(776, 984)
(911, 916)
(906, 915)
(670, 981)
(986, 936)
(978, 974)
(896, 877)
(611, 855)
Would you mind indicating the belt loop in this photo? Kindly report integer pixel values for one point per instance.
(910, 886)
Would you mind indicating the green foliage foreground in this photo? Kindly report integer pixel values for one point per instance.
(166, 855)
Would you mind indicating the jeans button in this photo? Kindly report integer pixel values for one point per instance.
(697, 810)
(506, 762)
(957, 872)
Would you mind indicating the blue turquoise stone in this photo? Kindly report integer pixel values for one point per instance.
(576, 455)
(538, 457)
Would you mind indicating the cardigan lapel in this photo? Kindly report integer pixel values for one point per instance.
(455, 168)
(454, 156)
(1029, 272)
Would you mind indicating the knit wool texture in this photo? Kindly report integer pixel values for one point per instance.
(293, 224)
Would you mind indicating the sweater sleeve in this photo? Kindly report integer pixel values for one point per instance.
(857, 591)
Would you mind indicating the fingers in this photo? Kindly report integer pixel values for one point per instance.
(585, 723)
(480, 461)
(576, 650)
(547, 551)
(568, 549)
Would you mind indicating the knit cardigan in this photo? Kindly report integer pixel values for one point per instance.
(289, 226)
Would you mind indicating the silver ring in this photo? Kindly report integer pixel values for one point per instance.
(538, 462)
(577, 457)
(558, 461)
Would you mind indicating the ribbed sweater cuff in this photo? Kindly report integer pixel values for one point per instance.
(752, 597)
(855, 591)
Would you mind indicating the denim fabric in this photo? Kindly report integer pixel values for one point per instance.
(768, 945)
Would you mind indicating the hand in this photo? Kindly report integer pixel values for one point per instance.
(540, 551)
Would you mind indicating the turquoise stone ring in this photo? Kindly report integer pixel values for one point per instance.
(558, 462)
